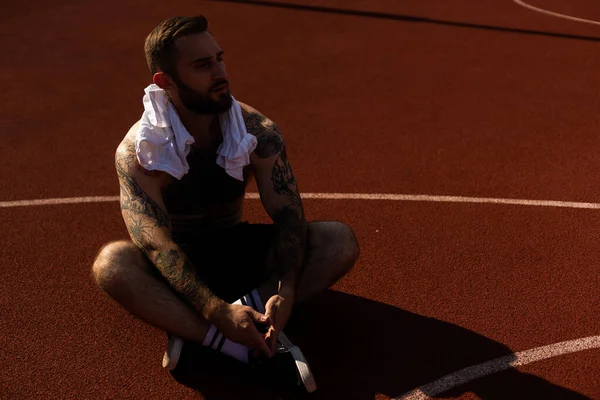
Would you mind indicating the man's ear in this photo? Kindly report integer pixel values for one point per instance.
(163, 81)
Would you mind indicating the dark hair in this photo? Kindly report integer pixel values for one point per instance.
(159, 43)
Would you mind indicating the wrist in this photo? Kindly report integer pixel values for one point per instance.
(213, 309)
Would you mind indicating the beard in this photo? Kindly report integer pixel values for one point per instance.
(202, 103)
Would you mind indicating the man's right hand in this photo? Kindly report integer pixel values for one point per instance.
(237, 323)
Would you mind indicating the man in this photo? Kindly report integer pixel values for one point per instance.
(192, 267)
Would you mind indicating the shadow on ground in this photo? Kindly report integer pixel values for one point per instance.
(358, 348)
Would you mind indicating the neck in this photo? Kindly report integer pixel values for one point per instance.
(198, 125)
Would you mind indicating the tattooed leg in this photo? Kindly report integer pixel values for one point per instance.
(126, 275)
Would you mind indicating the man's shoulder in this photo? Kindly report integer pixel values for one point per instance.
(257, 123)
(269, 137)
(127, 144)
(126, 161)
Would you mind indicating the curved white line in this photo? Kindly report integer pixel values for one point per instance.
(554, 14)
(336, 196)
(500, 364)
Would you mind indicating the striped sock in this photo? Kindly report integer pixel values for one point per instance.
(253, 300)
(216, 341)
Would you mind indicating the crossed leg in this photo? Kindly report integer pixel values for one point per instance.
(124, 273)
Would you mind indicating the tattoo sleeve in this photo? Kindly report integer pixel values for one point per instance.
(149, 227)
(283, 202)
(290, 242)
(181, 274)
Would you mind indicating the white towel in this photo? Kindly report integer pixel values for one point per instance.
(163, 143)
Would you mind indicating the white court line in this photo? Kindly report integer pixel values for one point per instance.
(554, 14)
(335, 196)
(500, 364)
(64, 200)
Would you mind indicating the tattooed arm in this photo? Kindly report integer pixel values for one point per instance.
(149, 226)
(281, 199)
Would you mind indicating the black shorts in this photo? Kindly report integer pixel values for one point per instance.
(231, 261)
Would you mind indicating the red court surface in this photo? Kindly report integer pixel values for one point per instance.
(439, 98)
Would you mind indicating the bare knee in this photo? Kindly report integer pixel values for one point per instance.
(114, 262)
(339, 240)
(350, 248)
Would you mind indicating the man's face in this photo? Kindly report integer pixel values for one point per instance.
(201, 81)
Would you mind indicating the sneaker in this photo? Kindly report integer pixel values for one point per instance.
(173, 352)
(288, 365)
(288, 362)
(303, 370)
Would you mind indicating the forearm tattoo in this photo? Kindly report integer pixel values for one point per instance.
(291, 237)
(290, 240)
(180, 273)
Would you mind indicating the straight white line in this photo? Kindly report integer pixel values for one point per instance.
(555, 14)
(336, 196)
(64, 200)
(469, 374)
(448, 199)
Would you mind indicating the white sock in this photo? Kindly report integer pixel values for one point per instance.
(215, 339)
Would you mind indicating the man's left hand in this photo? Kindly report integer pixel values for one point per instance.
(279, 309)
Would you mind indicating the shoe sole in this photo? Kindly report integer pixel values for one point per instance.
(305, 373)
(173, 352)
